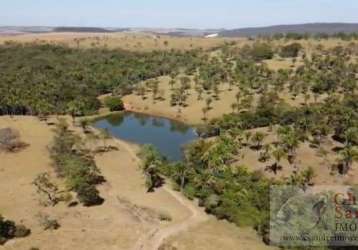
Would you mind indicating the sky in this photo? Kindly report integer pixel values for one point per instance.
(175, 13)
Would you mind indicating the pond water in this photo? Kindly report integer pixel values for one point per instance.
(166, 135)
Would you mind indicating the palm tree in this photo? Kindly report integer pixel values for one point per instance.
(234, 107)
(185, 82)
(277, 154)
(155, 89)
(218, 153)
(75, 108)
(306, 98)
(105, 135)
(172, 83)
(246, 102)
(247, 135)
(180, 174)
(200, 91)
(92, 138)
(238, 97)
(290, 139)
(183, 96)
(265, 153)
(84, 125)
(347, 156)
(141, 91)
(152, 161)
(216, 93)
(351, 136)
(205, 112)
(231, 83)
(257, 139)
(208, 102)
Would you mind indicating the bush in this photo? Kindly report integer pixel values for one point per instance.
(47, 189)
(10, 140)
(114, 103)
(47, 223)
(88, 195)
(22, 231)
(164, 216)
(290, 50)
(9, 230)
(261, 51)
(189, 192)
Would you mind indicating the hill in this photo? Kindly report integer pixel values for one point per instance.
(312, 28)
(81, 29)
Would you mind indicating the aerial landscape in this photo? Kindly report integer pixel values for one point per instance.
(160, 128)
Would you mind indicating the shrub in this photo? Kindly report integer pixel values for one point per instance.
(88, 195)
(261, 51)
(9, 230)
(189, 191)
(10, 140)
(290, 50)
(47, 189)
(164, 216)
(47, 223)
(167, 246)
(21, 231)
(114, 103)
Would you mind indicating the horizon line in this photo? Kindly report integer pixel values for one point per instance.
(188, 28)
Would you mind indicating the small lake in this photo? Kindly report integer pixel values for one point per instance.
(166, 135)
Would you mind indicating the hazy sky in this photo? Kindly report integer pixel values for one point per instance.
(175, 13)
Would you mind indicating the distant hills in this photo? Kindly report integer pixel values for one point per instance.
(88, 29)
(81, 29)
(311, 28)
(14, 30)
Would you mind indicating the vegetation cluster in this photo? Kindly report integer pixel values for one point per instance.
(49, 79)
(10, 230)
(76, 165)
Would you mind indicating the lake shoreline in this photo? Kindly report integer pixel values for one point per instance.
(167, 135)
(130, 108)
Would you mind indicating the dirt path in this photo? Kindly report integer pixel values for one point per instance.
(153, 242)
(156, 237)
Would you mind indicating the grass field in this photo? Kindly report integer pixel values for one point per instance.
(127, 41)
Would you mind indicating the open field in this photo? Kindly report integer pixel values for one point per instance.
(307, 157)
(127, 41)
(192, 113)
(214, 235)
(134, 41)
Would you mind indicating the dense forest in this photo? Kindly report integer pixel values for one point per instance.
(48, 79)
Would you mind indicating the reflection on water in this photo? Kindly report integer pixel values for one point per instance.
(166, 135)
